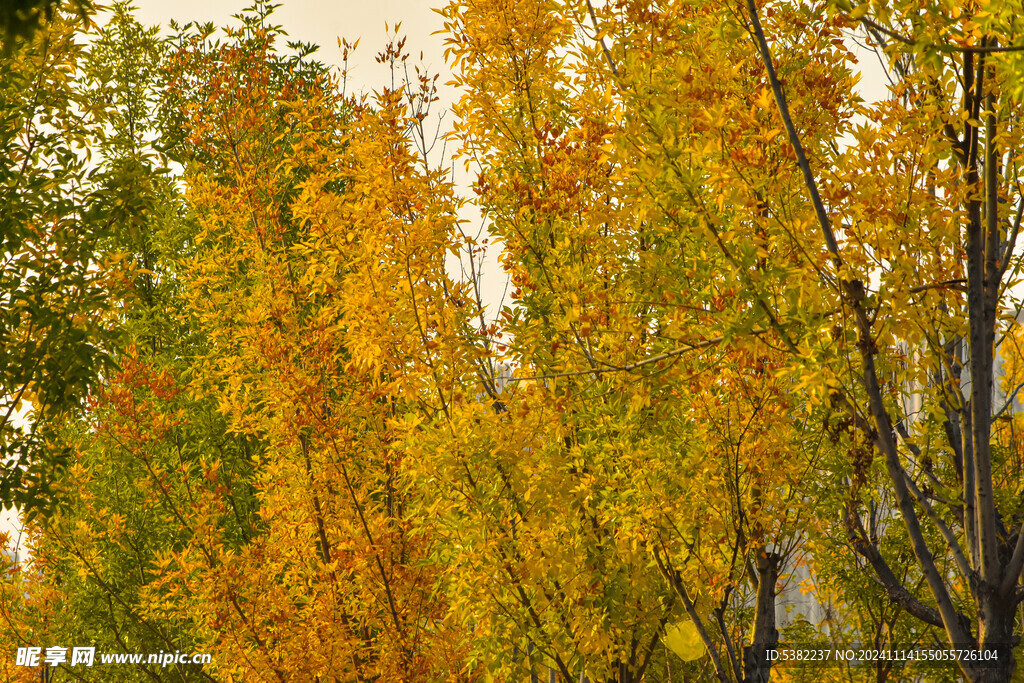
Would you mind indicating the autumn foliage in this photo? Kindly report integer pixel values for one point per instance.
(760, 340)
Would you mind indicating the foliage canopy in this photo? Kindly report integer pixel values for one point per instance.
(760, 333)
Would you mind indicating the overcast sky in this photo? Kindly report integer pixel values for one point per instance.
(322, 22)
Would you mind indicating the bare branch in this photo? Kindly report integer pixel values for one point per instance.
(639, 364)
(897, 592)
(954, 545)
(941, 47)
(600, 39)
(1009, 401)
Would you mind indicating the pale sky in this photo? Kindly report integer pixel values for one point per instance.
(321, 22)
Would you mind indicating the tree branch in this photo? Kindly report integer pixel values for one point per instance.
(1014, 566)
(941, 47)
(954, 545)
(672, 575)
(896, 591)
(794, 136)
(639, 364)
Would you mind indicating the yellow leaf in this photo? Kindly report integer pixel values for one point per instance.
(860, 11)
(684, 640)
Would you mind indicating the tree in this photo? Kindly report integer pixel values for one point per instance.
(889, 269)
(52, 323)
(21, 19)
(672, 433)
(318, 282)
(879, 264)
(139, 446)
(741, 298)
(957, 194)
(193, 519)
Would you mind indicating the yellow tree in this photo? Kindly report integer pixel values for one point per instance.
(919, 219)
(318, 277)
(237, 487)
(884, 261)
(674, 451)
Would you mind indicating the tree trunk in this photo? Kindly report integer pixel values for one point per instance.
(996, 621)
(756, 665)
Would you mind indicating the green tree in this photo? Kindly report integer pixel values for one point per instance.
(51, 282)
(136, 446)
(237, 485)
(21, 19)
